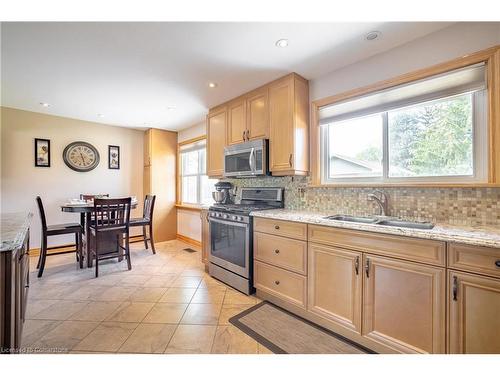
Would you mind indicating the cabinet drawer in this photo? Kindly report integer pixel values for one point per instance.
(287, 229)
(419, 250)
(281, 252)
(485, 260)
(289, 286)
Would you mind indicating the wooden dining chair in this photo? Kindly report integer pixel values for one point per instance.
(56, 230)
(88, 197)
(112, 221)
(146, 221)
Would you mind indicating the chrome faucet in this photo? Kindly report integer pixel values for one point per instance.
(381, 199)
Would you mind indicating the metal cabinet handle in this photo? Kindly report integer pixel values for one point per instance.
(367, 268)
(277, 251)
(277, 282)
(455, 288)
(290, 160)
(243, 135)
(356, 265)
(277, 227)
(497, 263)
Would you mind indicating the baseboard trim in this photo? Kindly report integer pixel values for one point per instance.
(188, 240)
(35, 251)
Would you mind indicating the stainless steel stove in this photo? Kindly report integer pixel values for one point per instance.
(231, 236)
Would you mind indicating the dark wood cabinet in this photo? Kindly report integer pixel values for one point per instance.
(14, 285)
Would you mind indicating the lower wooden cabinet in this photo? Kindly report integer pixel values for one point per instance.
(334, 285)
(286, 285)
(474, 313)
(205, 237)
(404, 305)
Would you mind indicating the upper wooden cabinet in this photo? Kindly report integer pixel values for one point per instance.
(216, 140)
(473, 308)
(289, 126)
(258, 114)
(236, 122)
(147, 147)
(278, 111)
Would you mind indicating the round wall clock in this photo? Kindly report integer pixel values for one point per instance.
(81, 156)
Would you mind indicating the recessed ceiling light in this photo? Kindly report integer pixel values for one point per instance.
(212, 85)
(282, 43)
(171, 107)
(372, 35)
(46, 105)
(100, 115)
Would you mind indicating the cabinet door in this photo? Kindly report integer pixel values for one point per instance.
(281, 126)
(474, 313)
(258, 114)
(404, 305)
(236, 122)
(334, 285)
(147, 147)
(216, 135)
(205, 236)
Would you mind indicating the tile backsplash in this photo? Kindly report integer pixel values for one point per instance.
(457, 206)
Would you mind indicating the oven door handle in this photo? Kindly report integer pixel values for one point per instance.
(227, 222)
(252, 160)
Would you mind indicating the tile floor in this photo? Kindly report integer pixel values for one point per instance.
(165, 304)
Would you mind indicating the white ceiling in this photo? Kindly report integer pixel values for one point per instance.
(132, 72)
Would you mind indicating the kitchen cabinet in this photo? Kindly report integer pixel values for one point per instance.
(147, 147)
(404, 305)
(236, 122)
(278, 111)
(289, 126)
(216, 140)
(162, 150)
(205, 237)
(258, 114)
(473, 308)
(334, 285)
(14, 284)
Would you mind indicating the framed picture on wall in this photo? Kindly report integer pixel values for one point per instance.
(113, 157)
(42, 152)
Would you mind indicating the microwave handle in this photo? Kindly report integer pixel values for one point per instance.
(251, 160)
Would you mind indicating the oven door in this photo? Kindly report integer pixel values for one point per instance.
(246, 162)
(230, 246)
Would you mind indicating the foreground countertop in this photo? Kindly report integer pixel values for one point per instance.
(13, 228)
(479, 236)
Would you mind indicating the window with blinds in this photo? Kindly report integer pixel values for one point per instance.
(196, 187)
(428, 130)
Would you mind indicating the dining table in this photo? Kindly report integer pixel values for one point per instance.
(85, 209)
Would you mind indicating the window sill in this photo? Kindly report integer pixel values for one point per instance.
(190, 207)
(408, 184)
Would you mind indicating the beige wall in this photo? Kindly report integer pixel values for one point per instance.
(22, 181)
(194, 131)
(189, 224)
(443, 45)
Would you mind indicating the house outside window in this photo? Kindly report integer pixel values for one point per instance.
(196, 188)
(433, 130)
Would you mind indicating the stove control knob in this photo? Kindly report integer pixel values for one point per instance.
(226, 216)
(241, 218)
(234, 217)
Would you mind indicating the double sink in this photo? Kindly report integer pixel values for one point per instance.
(382, 220)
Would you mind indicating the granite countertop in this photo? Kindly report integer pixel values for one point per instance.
(479, 236)
(13, 228)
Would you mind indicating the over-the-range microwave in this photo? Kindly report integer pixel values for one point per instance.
(247, 159)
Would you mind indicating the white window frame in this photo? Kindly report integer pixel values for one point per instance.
(201, 170)
(479, 146)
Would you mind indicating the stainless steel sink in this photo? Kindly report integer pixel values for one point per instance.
(392, 222)
(353, 219)
(406, 224)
